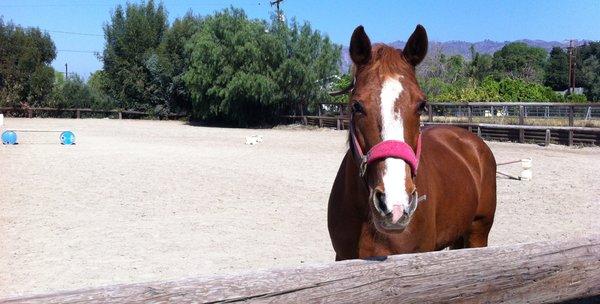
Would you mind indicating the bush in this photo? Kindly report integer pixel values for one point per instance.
(248, 72)
(505, 89)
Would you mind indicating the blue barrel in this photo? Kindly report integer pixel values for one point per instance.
(67, 138)
(9, 138)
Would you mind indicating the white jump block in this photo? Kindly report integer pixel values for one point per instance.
(526, 165)
(254, 139)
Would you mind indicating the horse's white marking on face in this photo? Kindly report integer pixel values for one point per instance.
(394, 174)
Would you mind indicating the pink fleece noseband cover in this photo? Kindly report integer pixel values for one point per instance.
(387, 149)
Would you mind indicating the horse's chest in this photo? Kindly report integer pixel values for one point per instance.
(373, 243)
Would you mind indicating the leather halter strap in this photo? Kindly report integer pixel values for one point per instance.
(385, 149)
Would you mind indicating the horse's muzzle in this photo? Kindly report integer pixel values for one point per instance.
(398, 218)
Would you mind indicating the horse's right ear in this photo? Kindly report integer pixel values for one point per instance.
(360, 46)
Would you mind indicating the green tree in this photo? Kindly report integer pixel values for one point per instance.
(98, 83)
(557, 70)
(341, 83)
(587, 72)
(591, 74)
(131, 59)
(25, 71)
(481, 65)
(71, 92)
(247, 72)
(518, 60)
(175, 60)
(455, 68)
(308, 61)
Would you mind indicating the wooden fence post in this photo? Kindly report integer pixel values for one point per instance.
(521, 122)
(320, 120)
(78, 113)
(547, 140)
(571, 123)
(430, 110)
(479, 131)
(469, 116)
(30, 113)
(120, 114)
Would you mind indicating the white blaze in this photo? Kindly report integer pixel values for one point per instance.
(394, 174)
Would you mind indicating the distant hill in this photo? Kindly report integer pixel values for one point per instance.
(462, 47)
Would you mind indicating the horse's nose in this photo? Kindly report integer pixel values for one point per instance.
(380, 203)
(379, 200)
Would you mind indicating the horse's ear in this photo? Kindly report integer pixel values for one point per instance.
(416, 46)
(360, 46)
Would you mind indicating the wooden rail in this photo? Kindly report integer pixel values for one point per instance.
(78, 111)
(501, 104)
(532, 134)
(521, 132)
(526, 273)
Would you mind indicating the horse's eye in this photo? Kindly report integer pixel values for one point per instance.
(357, 107)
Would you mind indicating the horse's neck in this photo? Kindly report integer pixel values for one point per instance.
(357, 185)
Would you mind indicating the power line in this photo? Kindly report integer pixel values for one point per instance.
(78, 51)
(73, 33)
(69, 51)
(109, 4)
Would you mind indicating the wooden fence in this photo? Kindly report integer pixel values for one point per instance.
(543, 272)
(77, 113)
(510, 121)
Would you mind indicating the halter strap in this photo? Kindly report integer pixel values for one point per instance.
(385, 149)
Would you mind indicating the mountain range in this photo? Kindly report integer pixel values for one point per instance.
(463, 47)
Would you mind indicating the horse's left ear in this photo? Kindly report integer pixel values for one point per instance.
(416, 46)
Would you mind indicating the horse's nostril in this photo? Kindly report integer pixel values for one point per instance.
(380, 201)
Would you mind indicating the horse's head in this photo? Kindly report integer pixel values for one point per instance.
(386, 102)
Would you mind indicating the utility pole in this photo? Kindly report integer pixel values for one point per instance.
(571, 49)
(66, 71)
(279, 14)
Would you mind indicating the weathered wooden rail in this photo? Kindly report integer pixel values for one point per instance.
(519, 131)
(77, 112)
(543, 272)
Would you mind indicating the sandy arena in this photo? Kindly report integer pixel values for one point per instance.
(138, 201)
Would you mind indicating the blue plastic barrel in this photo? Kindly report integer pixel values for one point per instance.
(9, 138)
(67, 138)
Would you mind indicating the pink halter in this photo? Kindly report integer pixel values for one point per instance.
(386, 149)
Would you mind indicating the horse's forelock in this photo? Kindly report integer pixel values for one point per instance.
(388, 62)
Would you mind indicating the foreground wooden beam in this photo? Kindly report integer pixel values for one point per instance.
(525, 273)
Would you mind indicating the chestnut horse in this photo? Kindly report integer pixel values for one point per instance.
(374, 208)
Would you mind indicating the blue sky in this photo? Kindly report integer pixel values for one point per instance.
(385, 21)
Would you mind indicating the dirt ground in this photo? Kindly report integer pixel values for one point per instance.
(139, 201)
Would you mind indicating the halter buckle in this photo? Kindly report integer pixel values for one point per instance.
(363, 166)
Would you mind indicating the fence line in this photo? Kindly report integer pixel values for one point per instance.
(539, 122)
(540, 272)
(78, 111)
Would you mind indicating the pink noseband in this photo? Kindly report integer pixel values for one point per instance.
(386, 149)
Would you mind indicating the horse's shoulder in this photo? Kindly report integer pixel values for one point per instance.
(448, 134)
(454, 138)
